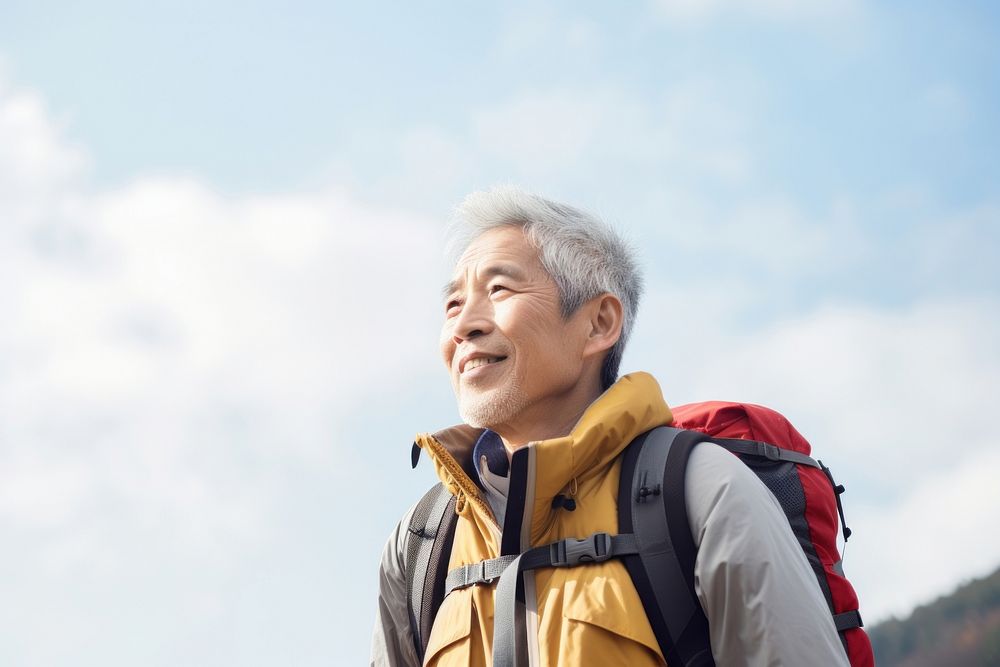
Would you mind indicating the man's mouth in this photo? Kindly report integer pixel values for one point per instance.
(473, 364)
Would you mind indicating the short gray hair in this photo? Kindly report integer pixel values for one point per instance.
(584, 256)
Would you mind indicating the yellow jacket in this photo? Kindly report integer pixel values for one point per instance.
(589, 614)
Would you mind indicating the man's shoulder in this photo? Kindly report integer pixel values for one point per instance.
(719, 487)
(712, 465)
(394, 552)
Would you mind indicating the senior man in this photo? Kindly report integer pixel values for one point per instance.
(539, 309)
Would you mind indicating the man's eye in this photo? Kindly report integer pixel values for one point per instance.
(452, 306)
(497, 288)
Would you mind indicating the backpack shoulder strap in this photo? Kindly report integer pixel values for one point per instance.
(432, 531)
(651, 504)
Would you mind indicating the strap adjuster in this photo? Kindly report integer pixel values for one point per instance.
(484, 569)
(473, 576)
(771, 452)
(571, 551)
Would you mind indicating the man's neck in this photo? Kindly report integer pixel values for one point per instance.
(514, 439)
(545, 423)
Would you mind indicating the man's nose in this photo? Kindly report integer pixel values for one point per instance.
(476, 319)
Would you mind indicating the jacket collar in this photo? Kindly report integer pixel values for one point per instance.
(631, 406)
(628, 408)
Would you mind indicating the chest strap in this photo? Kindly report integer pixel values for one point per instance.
(509, 647)
(570, 552)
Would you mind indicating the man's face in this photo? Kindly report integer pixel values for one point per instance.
(511, 355)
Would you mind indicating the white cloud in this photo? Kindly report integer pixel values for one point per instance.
(37, 159)
(939, 535)
(167, 349)
(884, 390)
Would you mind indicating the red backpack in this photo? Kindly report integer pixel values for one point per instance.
(764, 440)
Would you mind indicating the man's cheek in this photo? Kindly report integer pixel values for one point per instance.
(446, 347)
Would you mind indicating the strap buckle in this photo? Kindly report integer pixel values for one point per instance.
(571, 551)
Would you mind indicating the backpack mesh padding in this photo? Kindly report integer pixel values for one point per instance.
(782, 479)
(418, 524)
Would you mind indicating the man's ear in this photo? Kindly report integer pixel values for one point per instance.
(605, 321)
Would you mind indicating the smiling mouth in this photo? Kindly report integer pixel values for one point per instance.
(473, 364)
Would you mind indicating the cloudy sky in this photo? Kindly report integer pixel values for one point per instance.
(220, 252)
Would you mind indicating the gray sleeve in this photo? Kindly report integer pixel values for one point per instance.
(392, 640)
(758, 591)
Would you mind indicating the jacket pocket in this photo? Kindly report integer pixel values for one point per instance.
(605, 624)
(450, 643)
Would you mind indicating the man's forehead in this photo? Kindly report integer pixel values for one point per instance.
(501, 251)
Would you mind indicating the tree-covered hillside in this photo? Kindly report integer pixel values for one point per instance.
(958, 630)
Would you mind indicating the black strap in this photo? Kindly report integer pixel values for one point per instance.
(765, 450)
(651, 490)
(509, 640)
(848, 620)
(838, 490)
(432, 531)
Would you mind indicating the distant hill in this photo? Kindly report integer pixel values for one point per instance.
(957, 630)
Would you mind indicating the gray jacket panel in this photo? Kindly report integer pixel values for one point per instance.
(392, 641)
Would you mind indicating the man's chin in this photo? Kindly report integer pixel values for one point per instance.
(490, 408)
(475, 414)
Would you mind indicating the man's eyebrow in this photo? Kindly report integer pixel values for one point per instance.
(507, 270)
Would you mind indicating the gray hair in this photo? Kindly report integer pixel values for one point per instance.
(584, 256)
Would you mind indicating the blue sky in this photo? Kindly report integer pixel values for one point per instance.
(221, 251)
